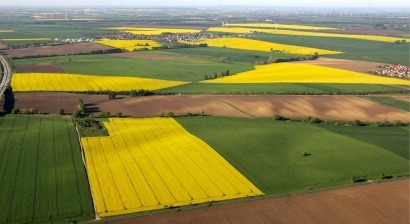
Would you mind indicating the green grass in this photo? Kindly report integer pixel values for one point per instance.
(279, 88)
(42, 175)
(270, 153)
(105, 65)
(355, 49)
(230, 55)
(394, 139)
(390, 101)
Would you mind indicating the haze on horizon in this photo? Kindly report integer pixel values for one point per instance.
(181, 3)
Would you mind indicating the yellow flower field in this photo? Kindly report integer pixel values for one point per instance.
(129, 45)
(153, 31)
(154, 163)
(248, 44)
(280, 26)
(56, 82)
(305, 33)
(304, 73)
(6, 31)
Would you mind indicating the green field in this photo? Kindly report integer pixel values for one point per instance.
(178, 70)
(355, 49)
(42, 175)
(270, 153)
(280, 88)
(390, 101)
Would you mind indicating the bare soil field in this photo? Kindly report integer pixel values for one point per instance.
(2, 46)
(50, 103)
(325, 107)
(375, 203)
(356, 66)
(40, 68)
(401, 97)
(56, 50)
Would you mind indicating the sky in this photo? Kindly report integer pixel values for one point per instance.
(280, 3)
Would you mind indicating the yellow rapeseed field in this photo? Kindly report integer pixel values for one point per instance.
(154, 163)
(31, 82)
(279, 26)
(304, 73)
(305, 33)
(129, 45)
(248, 44)
(154, 31)
(6, 31)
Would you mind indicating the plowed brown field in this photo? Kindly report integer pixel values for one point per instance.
(372, 203)
(56, 50)
(324, 107)
(40, 68)
(356, 66)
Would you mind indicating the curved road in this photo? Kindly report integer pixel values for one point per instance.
(6, 75)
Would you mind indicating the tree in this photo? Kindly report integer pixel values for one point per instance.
(112, 95)
(227, 72)
(81, 105)
(61, 111)
(77, 114)
(15, 111)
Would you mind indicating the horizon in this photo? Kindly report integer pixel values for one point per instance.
(405, 5)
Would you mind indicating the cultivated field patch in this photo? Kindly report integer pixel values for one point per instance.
(280, 26)
(304, 73)
(306, 33)
(56, 82)
(154, 31)
(39, 68)
(56, 50)
(129, 45)
(248, 44)
(154, 163)
(280, 156)
(42, 176)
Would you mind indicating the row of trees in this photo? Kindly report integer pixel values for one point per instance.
(208, 77)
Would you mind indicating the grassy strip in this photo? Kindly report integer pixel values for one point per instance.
(282, 157)
(390, 101)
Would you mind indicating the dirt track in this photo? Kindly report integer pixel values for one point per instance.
(372, 203)
(325, 107)
(356, 66)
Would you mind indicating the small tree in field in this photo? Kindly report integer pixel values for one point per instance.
(61, 111)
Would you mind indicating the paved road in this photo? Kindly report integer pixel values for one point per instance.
(6, 75)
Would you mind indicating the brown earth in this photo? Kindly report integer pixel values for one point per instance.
(56, 50)
(40, 68)
(50, 103)
(325, 107)
(2, 46)
(356, 66)
(374, 203)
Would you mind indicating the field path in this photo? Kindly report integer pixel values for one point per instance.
(386, 202)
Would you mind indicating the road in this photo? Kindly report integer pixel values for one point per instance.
(6, 75)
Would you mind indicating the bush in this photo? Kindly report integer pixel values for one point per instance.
(77, 114)
(119, 114)
(61, 111)
(279, 117)
(15, 111)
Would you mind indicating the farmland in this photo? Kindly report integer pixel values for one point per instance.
(307, 34)
(129, 45)
(304, 73)
(246, 114)
(247, 44)
(42, 174)
(154, 163)
(55, 82)
(272, 147)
